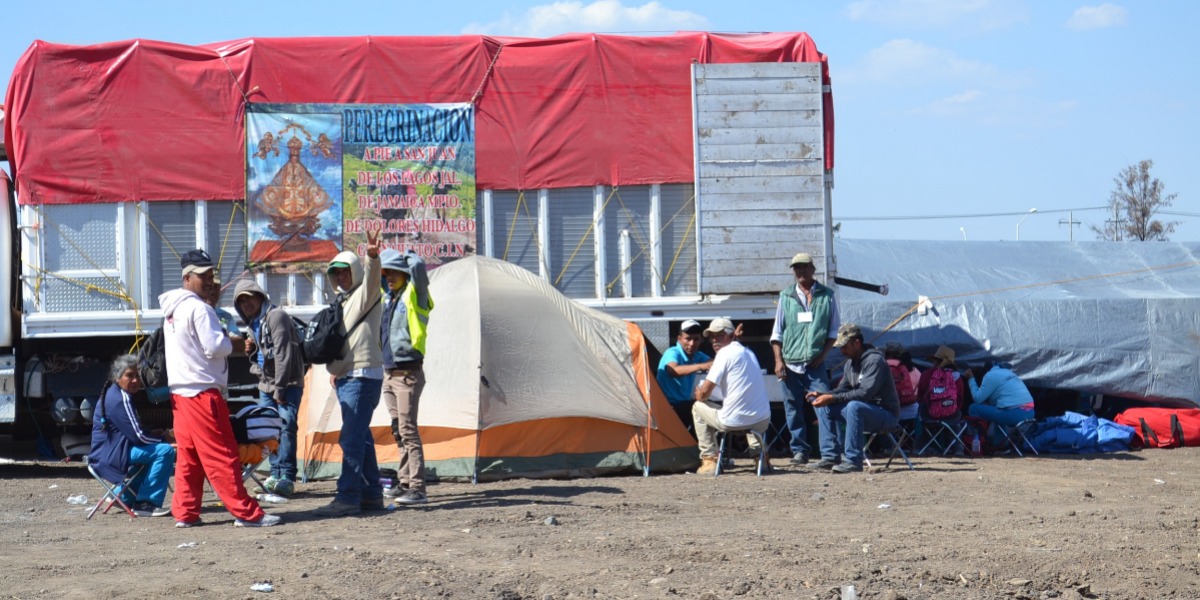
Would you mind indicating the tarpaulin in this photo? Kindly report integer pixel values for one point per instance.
(145, 120)
(1116, 318)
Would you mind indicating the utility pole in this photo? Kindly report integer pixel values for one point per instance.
(1117, 225)
(1070, 222)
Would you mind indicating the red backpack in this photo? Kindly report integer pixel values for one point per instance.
(943, 394)
(904, 384)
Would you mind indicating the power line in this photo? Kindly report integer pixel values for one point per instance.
(966, 216)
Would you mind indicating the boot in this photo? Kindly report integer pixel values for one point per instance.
(708, 465)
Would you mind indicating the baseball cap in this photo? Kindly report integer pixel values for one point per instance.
(802, 258)
(195, 261)
(845, 333)
(691, 326)
(718, 325)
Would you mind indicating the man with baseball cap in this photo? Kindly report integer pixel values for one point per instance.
(864, 401)
(678, 366)
(402, 337)
(358, 378)
(196, 348)
(736, 372)
(806, 319)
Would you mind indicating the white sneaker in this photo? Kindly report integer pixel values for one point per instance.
(266, 521)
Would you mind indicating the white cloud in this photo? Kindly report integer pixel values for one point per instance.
(941, 14)
(909, 62)
(1086, 18)
(600, 16)
(957, 104)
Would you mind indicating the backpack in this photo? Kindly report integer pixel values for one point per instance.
(325, 335)
(152, 360)
(299, 332)
(943, 394)
(256, 423)
(904, 385)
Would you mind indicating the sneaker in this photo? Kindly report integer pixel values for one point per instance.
(825, 463)
(265, 521)
(283, 487)
(186, 524)
(338, 508)
(847, 467)
(412, 497)
(393, 492)
(270, 484)
(146, 509)
(800, 458)
(372, 505)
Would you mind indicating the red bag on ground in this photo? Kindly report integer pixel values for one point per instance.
(1163, 427)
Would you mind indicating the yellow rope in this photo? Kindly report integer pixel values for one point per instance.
(89, 287)
(635, 229)
(225, 240)
(161, 235)
(686, 234)
(612, 283)
(76, 247)
(584, 238)
(512, 226)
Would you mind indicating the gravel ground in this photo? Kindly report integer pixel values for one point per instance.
(1113, 526)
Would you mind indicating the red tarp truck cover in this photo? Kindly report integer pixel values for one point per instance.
(145, 120)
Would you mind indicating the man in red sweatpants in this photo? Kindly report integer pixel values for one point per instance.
(197, 373)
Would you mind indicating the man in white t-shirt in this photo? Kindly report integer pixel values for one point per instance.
(736, 373)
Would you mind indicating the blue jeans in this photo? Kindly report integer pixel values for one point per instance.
(859, 418)
(795, 388)
(151, 483)
(283, 462)
(1006, 417)
(359, 481)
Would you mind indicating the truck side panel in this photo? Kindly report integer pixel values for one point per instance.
(760, 173)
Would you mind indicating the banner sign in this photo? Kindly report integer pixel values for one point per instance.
(319, 176)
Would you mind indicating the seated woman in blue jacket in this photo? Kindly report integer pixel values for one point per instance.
(118, 440)
(1000, 397)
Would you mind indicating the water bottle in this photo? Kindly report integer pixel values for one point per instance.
(976, 450)
(271, 498)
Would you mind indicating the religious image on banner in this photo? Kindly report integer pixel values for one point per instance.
(318, 176)
(293, 188)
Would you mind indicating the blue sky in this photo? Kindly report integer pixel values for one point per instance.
(959, 108)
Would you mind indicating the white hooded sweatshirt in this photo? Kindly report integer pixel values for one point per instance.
(195, 344)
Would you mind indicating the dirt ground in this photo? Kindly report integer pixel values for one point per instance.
(1113, 526)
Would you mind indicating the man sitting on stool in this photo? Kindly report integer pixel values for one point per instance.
(864, 401)
(745, 405)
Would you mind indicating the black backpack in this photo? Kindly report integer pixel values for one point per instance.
(152, 360)
(299, 332)
(326, 334)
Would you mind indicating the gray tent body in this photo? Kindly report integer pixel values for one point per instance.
(1117, 318)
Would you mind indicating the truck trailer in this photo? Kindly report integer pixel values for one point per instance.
(656, 178)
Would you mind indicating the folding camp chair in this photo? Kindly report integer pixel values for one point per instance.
(113, 491)
(897, 445)
(952, 427)
(1015, 436)
(251, 456)
(763, 466)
